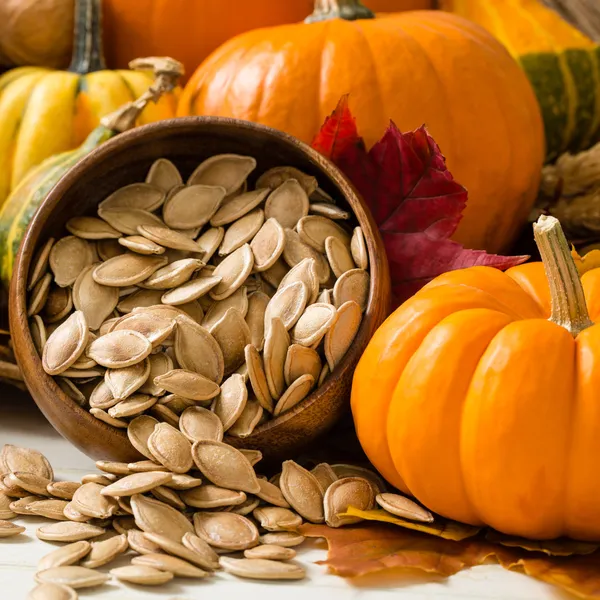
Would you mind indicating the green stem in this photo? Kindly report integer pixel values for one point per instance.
(569, 309)
(349, 10)
(88, 55)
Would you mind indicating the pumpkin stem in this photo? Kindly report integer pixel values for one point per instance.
(88, 54)
(569, 309)
(167, 72)
(349, 10)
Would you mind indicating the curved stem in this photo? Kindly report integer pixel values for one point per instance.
(569, 309)
(167, 72)
(88, 55)
(349, 10)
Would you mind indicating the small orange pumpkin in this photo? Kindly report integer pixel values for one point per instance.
(487, 411)
(415, 67)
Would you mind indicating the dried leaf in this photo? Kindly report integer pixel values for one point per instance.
(560, 547)
(449, 530)
(590, 260)
(364, 549)
(415, 200)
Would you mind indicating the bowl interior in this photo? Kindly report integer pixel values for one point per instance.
(126, 159)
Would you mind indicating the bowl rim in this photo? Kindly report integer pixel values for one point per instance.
(19, 321)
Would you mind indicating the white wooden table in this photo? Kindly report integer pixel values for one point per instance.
(22, 424)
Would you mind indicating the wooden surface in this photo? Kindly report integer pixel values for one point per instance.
(126, 159)
(22, 424)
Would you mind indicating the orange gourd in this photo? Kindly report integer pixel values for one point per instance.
(416, 67)
(480, 395)
(191, 29)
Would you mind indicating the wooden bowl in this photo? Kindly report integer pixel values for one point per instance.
(126, 159)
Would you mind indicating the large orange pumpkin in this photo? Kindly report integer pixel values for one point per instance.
(416, 67)
(487, 411)
(191, 29)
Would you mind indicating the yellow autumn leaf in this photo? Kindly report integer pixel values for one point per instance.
(449, 530)
(587, 262)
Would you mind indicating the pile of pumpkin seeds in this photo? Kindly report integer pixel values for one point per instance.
(181, 514)
(210, 295)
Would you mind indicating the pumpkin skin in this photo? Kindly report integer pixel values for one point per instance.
(562, 64)
(191, 29)
(415, 67)
(470, 400)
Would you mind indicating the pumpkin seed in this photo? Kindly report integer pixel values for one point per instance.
(65, 555)
(154, 516)
(105, 551)
(68, 531)
(226, 530)
(96, 301)
(138, 432)
(302, 491)
(346, 492)
(30, 482)
(270, 552)
(132, 406)
(171, 564)
(294, 394)
(339, 256)
(99, 478)
(228, 170)
(137, 483)
(204, 558)
(232, 335)
(8, 529)
(15, 459)
(275, 274)
(119, 349)
(258, 379)
(65, 344)
(72, 576)
(242, 231)
(113, 468)
(62, 489)
(165, 415)
(127, 220)
(183, 482)
(48, 508)
(171, 448)
(343, 470)
(233, 271)
(276, 176)
(141, 575)
(358, 248)
(212, 496)
(295, 250)
(139, 542)
(192, 206)
(314, 230)
(103, 416)
(287, 539)
(5, 512)
(169, 238)
(275, 518)
(235, 208)
(174, 274)
(246, 507)
(145, 466)
(159, 364)
(38, 333)
(127, 269)
(268, 245)
(288, 304)
(329, 210)
(352, 285)
(19, 507)
(58, 304)
(325, 372)
(276, 346)
(259, 568)
(248, 419)
(342, 333)
(191, 290)
(299, 361)
(312, 326)
(306, 272)
(198, 423)
(140, 299)
(123, 524)
(141, 245)
(188, 384)
(89, 501)
(288, 203)
(225, 466)
(39, 295)
(325, 475)
(403, 507)
(124, 382)
(142, 196)
(209, 241)
(238, 301)
(73, 514)
(101, 397)
(39, 264)
(255, 318)
(68, 257)
(91, 228)
(164, 175)
(52, 591)
(231, 401)
(109, 249)
(271, 494)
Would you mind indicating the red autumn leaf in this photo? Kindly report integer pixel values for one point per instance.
(413, 197)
